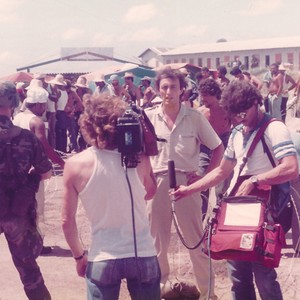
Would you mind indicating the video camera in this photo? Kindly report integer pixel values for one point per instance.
(130, 136)
(136, 134)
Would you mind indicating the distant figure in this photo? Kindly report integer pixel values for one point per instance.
(147, 91)
(190, 93)
(222, 80)
(244, 75)
(288, 84)
(275, 91)
(131, 88)
(117, 89)
(101, 86)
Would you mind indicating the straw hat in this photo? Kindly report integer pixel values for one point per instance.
(37, 95)
(34, 83)
(81, 82)
(146, 78)
(128, 75)
(99, 78)
(58, 80)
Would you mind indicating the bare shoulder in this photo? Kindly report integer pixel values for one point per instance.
(80, 162)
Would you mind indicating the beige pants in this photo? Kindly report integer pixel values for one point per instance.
(189, 215)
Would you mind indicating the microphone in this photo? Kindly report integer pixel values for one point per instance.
(172, 174)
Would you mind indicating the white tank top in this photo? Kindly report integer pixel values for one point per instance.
(107, 203)
(23, 119)
(62, 101)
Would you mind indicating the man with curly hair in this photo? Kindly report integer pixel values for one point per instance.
(121, 246)
(242, 100)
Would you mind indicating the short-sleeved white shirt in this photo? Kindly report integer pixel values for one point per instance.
(182, 144)
(278, 140)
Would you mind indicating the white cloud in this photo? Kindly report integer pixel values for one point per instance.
(102, 39)
(8, 10)
(140, 13)
(72, 33)
(192, 30)
(143, 35)
(261, 7)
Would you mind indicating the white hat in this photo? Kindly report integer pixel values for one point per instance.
(99, 78)
(34, 83)
(37, 95)
(58, 80)
(19, 85)
(81, 82)
(282, 67)
(128, 75)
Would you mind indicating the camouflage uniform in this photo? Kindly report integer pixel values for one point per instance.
(17, 218)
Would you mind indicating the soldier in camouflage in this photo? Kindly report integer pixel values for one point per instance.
(23, 163)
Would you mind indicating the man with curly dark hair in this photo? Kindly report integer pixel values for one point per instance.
(243, 100)
(97, 176)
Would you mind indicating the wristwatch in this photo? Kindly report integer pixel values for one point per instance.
(254, 180)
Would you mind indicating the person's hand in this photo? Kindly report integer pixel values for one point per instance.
(180, 192)
(245, 188)
(81, 266)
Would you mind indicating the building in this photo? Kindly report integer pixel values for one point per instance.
(152, 57)
(257, 53)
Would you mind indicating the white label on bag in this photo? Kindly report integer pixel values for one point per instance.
(242, 214)
(247, 241)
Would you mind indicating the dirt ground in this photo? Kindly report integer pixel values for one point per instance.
(63, 283)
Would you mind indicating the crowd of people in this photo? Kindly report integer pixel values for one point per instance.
(204, 125)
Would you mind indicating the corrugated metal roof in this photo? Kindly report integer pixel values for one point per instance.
(256, 44)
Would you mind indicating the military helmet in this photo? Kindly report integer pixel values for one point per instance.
(8, 94)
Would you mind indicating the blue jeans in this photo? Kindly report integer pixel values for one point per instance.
(241, 274)
(142, 274)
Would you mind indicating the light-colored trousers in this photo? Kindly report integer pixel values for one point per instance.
(189, 215)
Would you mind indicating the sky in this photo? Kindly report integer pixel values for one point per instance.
(34, 30)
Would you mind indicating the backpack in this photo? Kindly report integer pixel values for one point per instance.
(17, 192)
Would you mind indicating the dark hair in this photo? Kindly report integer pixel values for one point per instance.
(235, 71)
(171, 74)
(210, 87)
(205, 69)
(222, 70)
(239, 96)
(99, 120)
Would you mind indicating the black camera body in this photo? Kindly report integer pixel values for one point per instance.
(130, 136)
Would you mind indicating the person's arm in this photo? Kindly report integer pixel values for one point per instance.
(279, 80)
(257, 82)
(297, 87)
(216, 158)
(69, 225)
(146, 175)
(285, 171)
(292, 82)
(37, 126)
(211, 179)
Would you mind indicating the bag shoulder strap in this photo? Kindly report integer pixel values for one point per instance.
(258, 136)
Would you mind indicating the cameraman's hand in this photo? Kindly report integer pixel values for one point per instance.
(245, 188)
